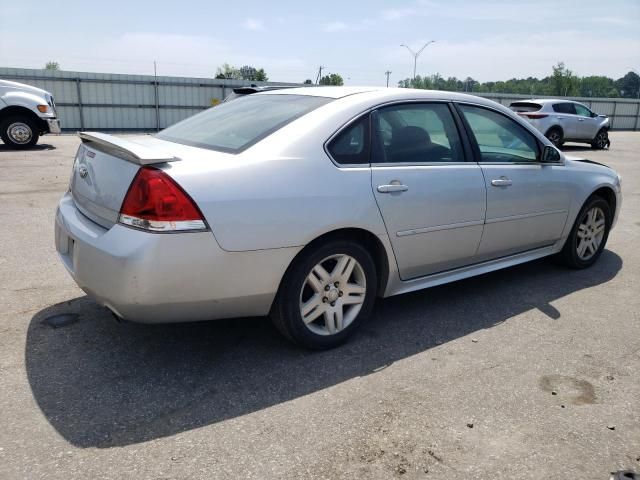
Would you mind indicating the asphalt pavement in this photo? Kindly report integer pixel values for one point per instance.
(527, 373)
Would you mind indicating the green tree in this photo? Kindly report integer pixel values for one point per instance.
(597, 86)
(332, 79)
(247, 72)
(629, 85)
(228, 72)
(52, 65)
(308, 81)
(261, 75)
(563, 82)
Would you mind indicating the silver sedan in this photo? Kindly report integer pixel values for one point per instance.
(307, 204)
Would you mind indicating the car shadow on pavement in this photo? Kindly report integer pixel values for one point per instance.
(34, 148)
(577, 148)
(102, 384)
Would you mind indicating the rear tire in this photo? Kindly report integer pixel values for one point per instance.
(601, 140)
(555, 136)
(19, 132)
(326, 295)
(589, 234)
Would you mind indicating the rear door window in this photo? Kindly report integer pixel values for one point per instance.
(564, 108)
(416, 133)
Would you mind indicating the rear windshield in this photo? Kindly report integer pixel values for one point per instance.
(235, 126)
(525, 107)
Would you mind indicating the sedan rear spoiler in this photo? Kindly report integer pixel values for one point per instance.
(125, 149)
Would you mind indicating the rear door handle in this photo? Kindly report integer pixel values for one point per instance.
(392, 188)
(501, 182)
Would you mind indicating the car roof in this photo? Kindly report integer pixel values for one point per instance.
(381, 94)
(550, 100)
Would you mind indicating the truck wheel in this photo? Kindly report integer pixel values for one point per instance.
(18, 132)
(601, 141)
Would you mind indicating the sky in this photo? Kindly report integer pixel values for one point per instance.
(360, 40)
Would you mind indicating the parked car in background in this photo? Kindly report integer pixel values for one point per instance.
(26, 112)
(308, 203)
(565, 121)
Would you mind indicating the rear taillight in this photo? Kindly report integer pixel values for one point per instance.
(533, 116)
(156, 202)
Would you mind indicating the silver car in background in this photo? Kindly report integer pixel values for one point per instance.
(307, 204)
(565, 121)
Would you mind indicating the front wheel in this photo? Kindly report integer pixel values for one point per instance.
(18, 132)
(326, 295)
(601, 140)
(588, 235)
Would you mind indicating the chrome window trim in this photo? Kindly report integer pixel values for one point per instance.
(419, 164)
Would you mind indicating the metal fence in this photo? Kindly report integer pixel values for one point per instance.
(115, 102)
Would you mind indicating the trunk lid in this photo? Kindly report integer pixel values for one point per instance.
(104, 168)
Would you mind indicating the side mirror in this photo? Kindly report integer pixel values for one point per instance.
(550, 154)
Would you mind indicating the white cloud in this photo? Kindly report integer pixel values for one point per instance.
(397, 13)
(335, 26)
(253, 24)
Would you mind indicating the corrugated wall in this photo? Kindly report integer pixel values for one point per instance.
(103, 101)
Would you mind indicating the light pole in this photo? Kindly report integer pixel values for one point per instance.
(417, 54)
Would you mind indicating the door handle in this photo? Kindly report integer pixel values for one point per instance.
(581, 119)
(501, 182)
(392, 188)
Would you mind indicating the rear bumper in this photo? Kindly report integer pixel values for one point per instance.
(161, 278)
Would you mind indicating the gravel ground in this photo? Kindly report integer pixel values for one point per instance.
(530, 372)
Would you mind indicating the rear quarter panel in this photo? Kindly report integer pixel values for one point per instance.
(284, 191)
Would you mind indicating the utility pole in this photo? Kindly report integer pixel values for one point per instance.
(319, 74)
(387, 73)
(417, 54)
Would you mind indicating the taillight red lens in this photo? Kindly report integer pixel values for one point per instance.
(156, 202)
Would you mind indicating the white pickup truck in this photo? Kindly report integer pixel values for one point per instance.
(26, 112)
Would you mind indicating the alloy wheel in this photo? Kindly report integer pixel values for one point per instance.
(601, 140)
(590, 233)
(332, 294)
